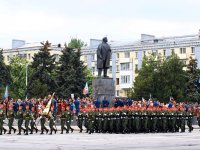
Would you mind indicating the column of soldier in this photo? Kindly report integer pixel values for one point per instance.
(95, 116)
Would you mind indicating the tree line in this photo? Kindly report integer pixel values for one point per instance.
(164, 77)
(158, 78)
(45, 75)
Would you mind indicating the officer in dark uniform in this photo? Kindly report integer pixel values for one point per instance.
(105, 103)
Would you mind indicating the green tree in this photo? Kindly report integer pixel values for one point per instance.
(4, 73)
(76, 43)
(41, 82)
(18, 77)
(193, 82)
(144, 84)
(171, 79)
(71, 74)
(161, 78)
(89, 78)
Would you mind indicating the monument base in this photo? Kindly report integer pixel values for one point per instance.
(103, 87)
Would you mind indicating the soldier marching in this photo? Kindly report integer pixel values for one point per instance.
(125, 117)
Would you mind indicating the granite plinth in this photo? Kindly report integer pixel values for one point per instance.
(103, 87)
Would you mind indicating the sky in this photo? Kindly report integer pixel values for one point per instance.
(120, 20)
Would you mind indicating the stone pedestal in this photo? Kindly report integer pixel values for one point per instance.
(103, 87)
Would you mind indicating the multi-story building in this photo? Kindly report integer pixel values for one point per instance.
(27, 50)
(126, 57)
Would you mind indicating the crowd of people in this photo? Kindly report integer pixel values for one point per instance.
(116, 116)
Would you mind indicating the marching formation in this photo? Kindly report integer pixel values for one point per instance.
(95, 116)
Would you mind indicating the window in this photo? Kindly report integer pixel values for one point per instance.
(164, 52)
(136, 54)
(85, 58)
(183, 61)
(182, 50)
(127, 55)
(136, 68)
(8, 58)
(192, 50)
(117, 81)
(29, 56)
(57, 57)
(125, 79)
(117, 55)
(93, 70)
(25, 56)
(93, 57)
(117, 92)
(172, 50)
(144, 53)
(124, 66)
(117, 67)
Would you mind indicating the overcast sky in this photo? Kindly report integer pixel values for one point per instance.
(119, 20)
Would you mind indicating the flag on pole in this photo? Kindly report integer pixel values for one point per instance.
(85, 90)
(6, 92)
(47, 108)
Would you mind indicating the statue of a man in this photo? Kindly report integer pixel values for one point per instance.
(103, 57)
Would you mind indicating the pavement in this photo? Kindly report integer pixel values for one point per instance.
(100, 141)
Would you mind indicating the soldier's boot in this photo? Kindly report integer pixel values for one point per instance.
(9, 132)
(14, 129)
(36, 130)
(87, 131)
(51, 132)
(81, 130)
(72, 130)
(42, 131)
(61, 131)
(55, 130)
(26, 132)
(47, 130)
(1, 131)
(67, 131)
(19, 132)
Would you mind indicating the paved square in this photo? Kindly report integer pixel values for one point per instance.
(96, 141)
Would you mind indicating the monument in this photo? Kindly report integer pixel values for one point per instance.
(103, 86)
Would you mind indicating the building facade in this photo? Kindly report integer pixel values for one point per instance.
(27, 50)
(126, 57)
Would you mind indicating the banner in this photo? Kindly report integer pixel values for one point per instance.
(85, 90)
(47, 108)
(6, 92)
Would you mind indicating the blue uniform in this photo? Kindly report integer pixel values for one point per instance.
(97, 103)
(76, 103)
(105, 103)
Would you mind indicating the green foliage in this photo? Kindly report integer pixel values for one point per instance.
(160, 78)
(43, 66)
(76, 43)
(4, 74)
(193, 85)
(18, 77)
(71, 74)
(89, 78)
